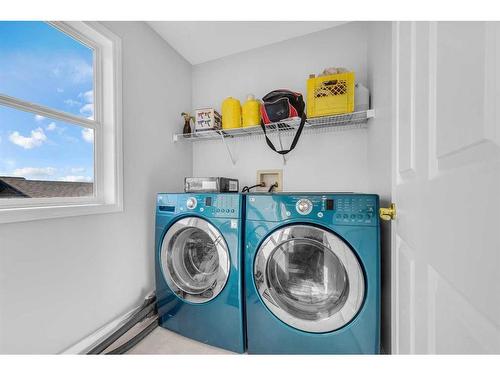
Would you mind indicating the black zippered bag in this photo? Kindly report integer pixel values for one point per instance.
(279, 105)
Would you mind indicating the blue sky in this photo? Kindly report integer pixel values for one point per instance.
(42, 65)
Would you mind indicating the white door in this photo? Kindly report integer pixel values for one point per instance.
(446, 185)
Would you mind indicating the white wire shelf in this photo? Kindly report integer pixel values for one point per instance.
(354, 120)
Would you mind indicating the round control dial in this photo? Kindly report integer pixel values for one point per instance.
(191, 203)
(304, 206)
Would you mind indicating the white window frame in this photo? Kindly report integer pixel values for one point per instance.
(107, 127)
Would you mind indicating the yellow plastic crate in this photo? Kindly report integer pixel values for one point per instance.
(330, 95)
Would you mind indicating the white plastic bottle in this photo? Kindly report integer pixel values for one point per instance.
(361, 98)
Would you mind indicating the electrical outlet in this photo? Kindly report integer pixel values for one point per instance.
(269, 177)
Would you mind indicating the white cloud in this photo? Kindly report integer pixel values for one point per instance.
(81, 71)
(33, 172)
(39, 118)
(88, 135)
(88, 96)
(77, 70)
(52, 126)
(59, 90)
(76, 179)
(77, 170)
(72, 102)
(88, 110)
(37, 138)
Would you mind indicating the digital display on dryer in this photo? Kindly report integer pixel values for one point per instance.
(208, 201)
(329, 204)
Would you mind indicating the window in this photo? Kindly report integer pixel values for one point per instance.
(60, 122)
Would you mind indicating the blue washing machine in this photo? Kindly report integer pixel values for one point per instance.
(198, 267)
(312, 273)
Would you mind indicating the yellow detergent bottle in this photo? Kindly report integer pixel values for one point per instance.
(231, 113)
(251, 112)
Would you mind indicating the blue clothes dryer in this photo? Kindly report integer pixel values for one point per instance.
(198, 267)
(312, 273)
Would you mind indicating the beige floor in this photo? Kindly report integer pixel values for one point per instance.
(162, 341)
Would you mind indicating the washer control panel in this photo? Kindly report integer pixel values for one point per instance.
(209, 205)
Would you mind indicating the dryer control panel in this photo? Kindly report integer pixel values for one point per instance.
(340, 209)
(208, 205)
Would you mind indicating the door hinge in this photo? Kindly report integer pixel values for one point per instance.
(387, 214)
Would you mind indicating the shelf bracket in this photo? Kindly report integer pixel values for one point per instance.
(281, 146)
(233, 160)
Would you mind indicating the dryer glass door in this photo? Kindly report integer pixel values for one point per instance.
(309, 278)
(195, 260)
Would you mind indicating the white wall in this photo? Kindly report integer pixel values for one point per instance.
(62, 279)
(354, 160)
(379, 150)
(321, 162)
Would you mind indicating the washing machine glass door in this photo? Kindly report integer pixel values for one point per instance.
(309, 278)
(195, 260)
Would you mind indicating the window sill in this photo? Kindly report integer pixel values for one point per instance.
(20, 214)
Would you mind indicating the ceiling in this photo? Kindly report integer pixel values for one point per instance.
(202, 41)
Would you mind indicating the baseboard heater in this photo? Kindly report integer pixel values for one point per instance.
(132, 331)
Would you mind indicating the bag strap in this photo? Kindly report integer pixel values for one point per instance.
(295, 138)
